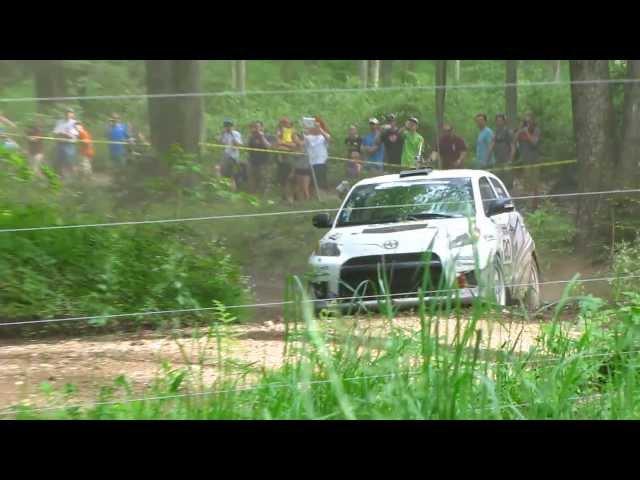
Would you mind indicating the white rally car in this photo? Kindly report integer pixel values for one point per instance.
(449, 233)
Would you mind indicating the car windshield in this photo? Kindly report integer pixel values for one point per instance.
(408, 201)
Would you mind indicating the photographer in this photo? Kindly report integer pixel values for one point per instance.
(527, 141)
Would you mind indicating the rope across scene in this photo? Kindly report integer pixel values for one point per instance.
(290, 302)
(289, 212)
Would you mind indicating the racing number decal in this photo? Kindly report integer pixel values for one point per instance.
(507, 247)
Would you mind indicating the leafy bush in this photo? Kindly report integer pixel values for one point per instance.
(99, 271)
(626, 262)
(552, 229)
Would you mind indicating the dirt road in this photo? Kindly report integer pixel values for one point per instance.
(94, 362)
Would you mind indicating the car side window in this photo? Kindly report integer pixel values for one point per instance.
(500, 190)
(486, 193)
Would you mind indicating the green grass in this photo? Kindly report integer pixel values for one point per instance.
(336, 369)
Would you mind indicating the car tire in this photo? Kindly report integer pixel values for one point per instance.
(533, 293)
(495, 291)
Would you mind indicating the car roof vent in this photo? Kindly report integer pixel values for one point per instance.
(415, 173)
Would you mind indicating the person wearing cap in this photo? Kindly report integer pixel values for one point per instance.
(118, 133)
(452, 148)
(66, 131)
(393, 142)
(413, 145)
(231, 167)
(372, 149)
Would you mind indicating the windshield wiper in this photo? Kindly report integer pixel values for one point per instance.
(428, 215)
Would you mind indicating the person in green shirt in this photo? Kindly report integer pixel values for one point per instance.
(413, 143)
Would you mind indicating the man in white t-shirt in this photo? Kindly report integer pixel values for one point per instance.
(231, 167)
(68, 133)
(316, 143)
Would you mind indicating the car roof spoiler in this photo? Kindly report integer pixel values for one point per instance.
(415, 173)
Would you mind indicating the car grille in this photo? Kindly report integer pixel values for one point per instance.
(404, 273)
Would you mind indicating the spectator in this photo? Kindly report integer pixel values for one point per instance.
(257, 159)
(137, 146)
(316, 142)
(453, 149)
(484, 155)
(66, 131)
(86, 150)
(413, 144)
(285, 135)
(35, 145)
(302, 171)
(504, 150)
(527, 143)
(231, 167)
(353, 143)
(354, 167)
(118, 132)
(372, 148)
(392, 140)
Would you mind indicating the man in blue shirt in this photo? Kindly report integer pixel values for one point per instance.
(373, 150)
(484, 145)
(118, 132)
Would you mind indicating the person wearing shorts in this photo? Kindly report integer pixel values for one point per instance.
(66, 131)
(86, 151)
(301, 172)
(285, 170)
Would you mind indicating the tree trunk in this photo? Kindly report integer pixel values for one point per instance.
(511, 93)
(441, 92)
(386, 72)
(50, 81)
(593, 128)
(174, 120)
(557, 70)
(364, 73)
(375, 73)
(458, 71)
(241, 75)
(234, 75)
(630, 152)
(411, 66)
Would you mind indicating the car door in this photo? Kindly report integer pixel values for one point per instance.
(488, 192)
(512, 227)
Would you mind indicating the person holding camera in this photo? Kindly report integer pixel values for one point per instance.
(504, 150)
(527, 141)
(316, 142)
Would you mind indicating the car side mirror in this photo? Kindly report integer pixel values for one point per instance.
(500, 205)
(322, 220)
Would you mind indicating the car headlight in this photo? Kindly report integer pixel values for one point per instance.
(328, 249)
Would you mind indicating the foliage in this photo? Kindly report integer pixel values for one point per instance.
(626, 262)
(553, 230)
(96, 271)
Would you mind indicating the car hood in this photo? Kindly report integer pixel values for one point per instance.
(401, 237)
